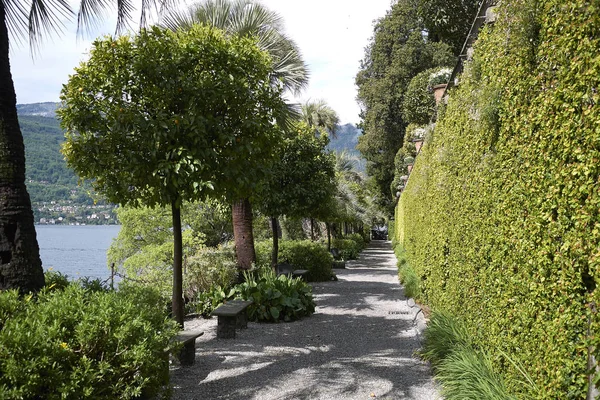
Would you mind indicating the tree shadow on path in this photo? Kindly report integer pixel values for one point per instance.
(360, 342)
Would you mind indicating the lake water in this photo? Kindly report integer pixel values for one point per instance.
(77, 251)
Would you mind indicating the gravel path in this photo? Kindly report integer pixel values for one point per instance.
(359, 344)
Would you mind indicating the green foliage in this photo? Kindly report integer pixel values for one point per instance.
(500, 216)
(467, 374)
(291, 228)
(398, 51)
(419, 104)
(143, 248)
(448, 21)
(409, 279)
(443, 335)
(463, 371)
(124, 137)
(55, 280)
(302, 179)
(276, 298)
(305, 254)
(209, 268)
(349, 247)
(76, 343)
(206, 302)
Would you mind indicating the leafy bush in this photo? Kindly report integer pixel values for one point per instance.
(263, 250)
(209, 268)
(359, 240)
(76, 343)
(348, 249)
(55, 280)
(500, 215)
(205, 303)
(304, 254)
(276, 298)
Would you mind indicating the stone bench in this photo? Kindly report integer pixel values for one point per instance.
(187, 354)
(232, 315)
(288, 269)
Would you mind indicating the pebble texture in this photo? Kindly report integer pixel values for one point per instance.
(359, 344)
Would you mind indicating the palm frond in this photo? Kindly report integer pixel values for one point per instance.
(250, 18)
(46, 17)
(319, 115)
(16, 19)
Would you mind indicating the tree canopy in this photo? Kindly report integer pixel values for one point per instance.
(400, 49)
(166, 117)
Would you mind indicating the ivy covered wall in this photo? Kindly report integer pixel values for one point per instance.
(501, 215)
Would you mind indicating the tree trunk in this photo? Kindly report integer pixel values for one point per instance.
(177, 301)
(328, 226)
(20, 264)
(275, 251)
(242, 233)
(312, 229)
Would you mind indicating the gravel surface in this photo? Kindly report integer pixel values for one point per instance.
(359, 344)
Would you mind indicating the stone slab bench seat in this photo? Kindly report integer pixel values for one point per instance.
(231, 316)
(187, 354)
(289, 269)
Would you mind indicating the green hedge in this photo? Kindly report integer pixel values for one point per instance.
(500, 218)
(303, 254)
(77, 343)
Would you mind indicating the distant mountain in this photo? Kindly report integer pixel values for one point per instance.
(347, 139)
(38, 109)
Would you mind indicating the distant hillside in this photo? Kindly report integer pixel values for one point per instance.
(39, 109)
(53, 187)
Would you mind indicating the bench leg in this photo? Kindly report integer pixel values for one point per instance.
(187, 354)
(242, 320)
(226, 327)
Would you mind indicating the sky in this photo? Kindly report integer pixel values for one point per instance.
(331, 34)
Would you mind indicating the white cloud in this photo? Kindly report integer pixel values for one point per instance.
(331, 34)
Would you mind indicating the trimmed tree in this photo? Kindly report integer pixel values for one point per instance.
(166, 117)
(302, 180)
(249, 18)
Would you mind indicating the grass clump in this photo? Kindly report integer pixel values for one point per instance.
(463, 371)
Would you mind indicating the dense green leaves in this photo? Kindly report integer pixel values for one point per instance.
(302, 179)
(169, 115)
(500, 216)
(400, 49)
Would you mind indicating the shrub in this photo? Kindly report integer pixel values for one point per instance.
(209, 268)
(205, 303)
(76, 343)
(276, 298)
(55, 280)
(263, 250)
(359, 240)
(304, 254)
(348, 249)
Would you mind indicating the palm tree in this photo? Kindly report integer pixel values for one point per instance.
(318, 115)
(324, 119)
(20, 264)
(249, 18)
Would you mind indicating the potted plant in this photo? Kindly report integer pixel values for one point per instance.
(438, 81)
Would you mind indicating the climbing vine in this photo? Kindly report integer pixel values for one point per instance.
(501, 215)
